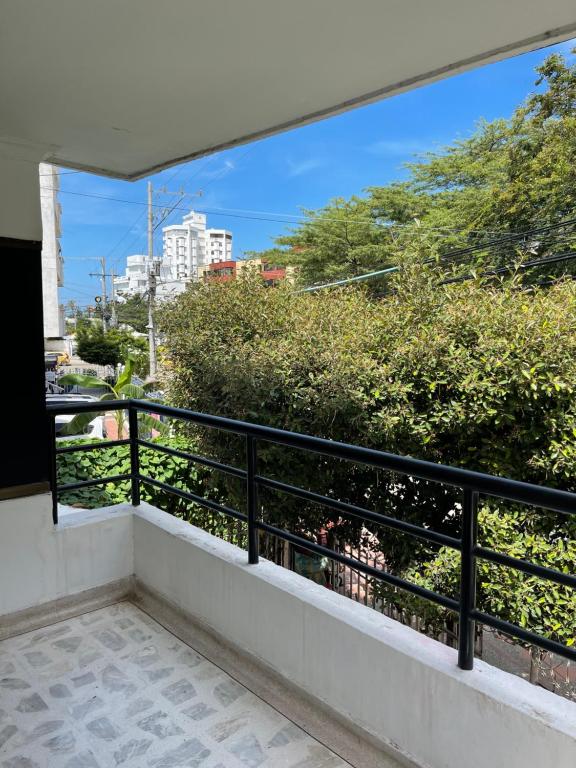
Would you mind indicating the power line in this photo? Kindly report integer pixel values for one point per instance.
(523, 266)
(512, 237)
(298, 218)
(59, 172)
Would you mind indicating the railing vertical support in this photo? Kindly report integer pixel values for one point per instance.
(53, 466)
(468, 579)
(134, 455)
(252, 499)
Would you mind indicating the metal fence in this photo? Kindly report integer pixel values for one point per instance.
(470, 483)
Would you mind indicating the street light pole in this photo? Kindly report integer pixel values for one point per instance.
(151, 285)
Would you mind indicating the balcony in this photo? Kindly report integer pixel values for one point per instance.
(130, 637)
(121, 627)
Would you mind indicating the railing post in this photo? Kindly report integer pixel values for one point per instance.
(468, 579)
(134, 454)
(53, 465)
(252, 499)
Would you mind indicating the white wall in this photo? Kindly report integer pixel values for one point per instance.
(402, 687)
(19, 191)
(40, 562)
(52, 267)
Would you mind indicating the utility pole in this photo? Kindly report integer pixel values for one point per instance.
(151, 285)
(103, 275)
(113, 317)
(153, 270)
(104, 297)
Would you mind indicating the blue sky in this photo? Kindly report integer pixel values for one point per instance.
(275, 178)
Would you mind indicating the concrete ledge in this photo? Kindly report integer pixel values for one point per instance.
(398, 687)
(41, 562)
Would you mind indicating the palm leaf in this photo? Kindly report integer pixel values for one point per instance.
(78, 423)
(132, 391)
(126, 376)
(147, 423)
(78, 379)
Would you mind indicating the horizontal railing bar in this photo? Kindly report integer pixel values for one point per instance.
(524, 566)
(95, 405)
(361, 513)
(501, 487)
(97, 481)
(396, 581)
(229, 470)
(91, 446)
(524, 634)
(213, 505)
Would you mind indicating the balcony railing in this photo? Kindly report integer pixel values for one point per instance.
(470, 483)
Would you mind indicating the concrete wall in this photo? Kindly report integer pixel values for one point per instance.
(19, 190)
(40, 562)
(52, 266)
(397, 685)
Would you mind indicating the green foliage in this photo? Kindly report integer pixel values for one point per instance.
(121, 389)
(133, 312)
(509, 176)
(527, 601)
(466, 375)
(111, 347)
(173, 470)
(97, 347)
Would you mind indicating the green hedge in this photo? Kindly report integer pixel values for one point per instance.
(173, 470)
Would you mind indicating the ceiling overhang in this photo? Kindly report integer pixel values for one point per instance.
(128, 88)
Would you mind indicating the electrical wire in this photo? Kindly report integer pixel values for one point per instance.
(298, 218)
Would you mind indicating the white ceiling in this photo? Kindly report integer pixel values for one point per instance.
(126, 87)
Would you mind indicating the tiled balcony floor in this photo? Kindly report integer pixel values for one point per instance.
(113, 687)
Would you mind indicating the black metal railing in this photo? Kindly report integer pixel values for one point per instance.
(470, 483)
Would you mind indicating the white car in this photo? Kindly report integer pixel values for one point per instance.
(95, 428)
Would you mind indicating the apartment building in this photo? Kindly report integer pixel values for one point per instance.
(187, 248)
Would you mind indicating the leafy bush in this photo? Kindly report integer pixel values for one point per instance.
(470, 375)
(75, 467)
(540, 606)
(172, 470)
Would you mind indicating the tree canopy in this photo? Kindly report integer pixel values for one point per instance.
(100, 347)
(133, 312)
(510, 176)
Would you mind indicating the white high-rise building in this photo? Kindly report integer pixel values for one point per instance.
(52, 261)
(190, 245)
(186, 248)
(134, 280)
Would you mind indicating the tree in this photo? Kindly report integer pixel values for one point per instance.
(96, 346)
(510, 176)
(123, 388)
(133, 312)
(101, 347)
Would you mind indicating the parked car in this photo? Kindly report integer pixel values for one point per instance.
(96, 428)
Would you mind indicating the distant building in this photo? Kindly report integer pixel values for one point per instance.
(224, 271)
(187, 248)
(135, 278)
(52, 261)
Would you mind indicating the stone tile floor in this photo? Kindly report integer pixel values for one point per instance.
(114, 688)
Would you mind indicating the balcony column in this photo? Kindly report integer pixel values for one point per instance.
(24, 469)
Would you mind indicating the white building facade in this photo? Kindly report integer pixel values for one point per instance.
(186, 247)
(52, 261)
